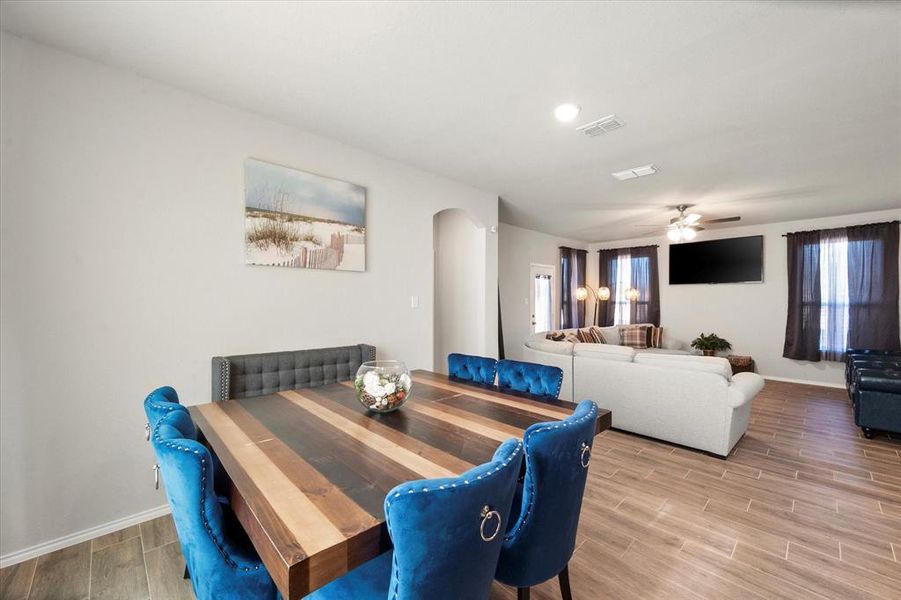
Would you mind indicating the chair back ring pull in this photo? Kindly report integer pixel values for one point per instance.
(487, 515)
(156, 477)
(147, 431)
(585, 456)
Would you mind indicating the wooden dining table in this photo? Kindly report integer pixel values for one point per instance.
(310, 468)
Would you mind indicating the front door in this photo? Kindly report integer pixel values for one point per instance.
(541, 297)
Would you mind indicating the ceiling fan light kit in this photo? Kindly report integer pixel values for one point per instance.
(685, 228)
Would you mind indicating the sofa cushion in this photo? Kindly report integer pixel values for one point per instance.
(709, 364)
(611, 335)
(551, 347)
(635, 336)
(672, 351)
(604, 351)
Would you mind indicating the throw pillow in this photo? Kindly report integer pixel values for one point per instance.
(585, 336)
(571, 336)
(555, 336)
(635, 336)
(658, 337)
(597, 334)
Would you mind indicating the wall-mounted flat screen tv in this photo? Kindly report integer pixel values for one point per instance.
(734, 260)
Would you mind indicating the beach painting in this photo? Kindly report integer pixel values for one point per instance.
(297, 219)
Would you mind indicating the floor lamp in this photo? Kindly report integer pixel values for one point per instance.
(602, 294)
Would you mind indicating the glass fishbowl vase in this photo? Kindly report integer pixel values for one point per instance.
(383, 385)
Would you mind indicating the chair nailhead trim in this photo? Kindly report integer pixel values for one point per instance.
(219, 546)
(396, 568)
(523, 519)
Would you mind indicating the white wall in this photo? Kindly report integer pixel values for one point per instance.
(459, 287)
(750, 315)
(123, 269)
(518, 249)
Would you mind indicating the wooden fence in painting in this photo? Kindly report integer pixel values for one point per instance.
(328, 257)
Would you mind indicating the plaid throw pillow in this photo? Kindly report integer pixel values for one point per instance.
(635, 336)
(571, 336)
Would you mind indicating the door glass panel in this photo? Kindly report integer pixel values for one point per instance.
(542, 302)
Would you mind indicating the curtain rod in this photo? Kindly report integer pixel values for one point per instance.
(845, 227)
(628, 248)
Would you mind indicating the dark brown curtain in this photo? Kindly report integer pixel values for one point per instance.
(860, 306)
(644, 277)
(572, 276)
(607, 278)
(802, 328)
(646, 280)
(873, 286)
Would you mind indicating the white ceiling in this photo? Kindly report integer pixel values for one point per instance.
(774, 111)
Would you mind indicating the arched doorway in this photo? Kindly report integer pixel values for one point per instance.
(459, 316)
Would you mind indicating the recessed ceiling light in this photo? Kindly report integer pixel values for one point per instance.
(567, 112)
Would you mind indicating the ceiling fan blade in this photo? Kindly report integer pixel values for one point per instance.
(692, 218)
(722, 220)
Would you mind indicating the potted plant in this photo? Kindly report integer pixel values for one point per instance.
(710, 344)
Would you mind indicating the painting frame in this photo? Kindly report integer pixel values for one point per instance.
(300, 219)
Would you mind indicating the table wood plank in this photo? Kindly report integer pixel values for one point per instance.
(310, 468)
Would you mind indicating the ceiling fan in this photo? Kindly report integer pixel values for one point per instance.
(685, 227)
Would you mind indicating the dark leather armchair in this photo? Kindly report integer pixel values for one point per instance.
(248, 375)
(857, 358)
(877, 400)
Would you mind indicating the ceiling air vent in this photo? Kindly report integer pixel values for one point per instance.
(635, 172)
(604, 125)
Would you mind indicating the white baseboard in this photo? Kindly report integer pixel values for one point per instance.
(82, 536)
(805, 382)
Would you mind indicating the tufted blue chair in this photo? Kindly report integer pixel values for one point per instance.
(541, 540)
(477, 369)
(541, 381)
(222, 562)
(159, 403)
(447, 534)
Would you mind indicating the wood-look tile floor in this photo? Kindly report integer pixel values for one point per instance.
(804, 507)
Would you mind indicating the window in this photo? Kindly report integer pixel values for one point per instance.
(623, 282)
(542, 302)
(631, 275)
(842, 291)
(834, 302)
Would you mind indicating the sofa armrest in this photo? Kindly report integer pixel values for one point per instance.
(743, 388)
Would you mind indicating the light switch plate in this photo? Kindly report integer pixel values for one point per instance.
(414, 301)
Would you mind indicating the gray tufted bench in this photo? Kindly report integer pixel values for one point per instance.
(248, 375)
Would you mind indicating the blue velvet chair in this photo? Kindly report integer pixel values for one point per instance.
(222, 562)
(541, 540)
(540, 381)
(158, 404)
(476, 369)
(447, 534)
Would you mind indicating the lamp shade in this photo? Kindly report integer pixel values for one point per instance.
(581, 293)
(603, 294)
(632, 294)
